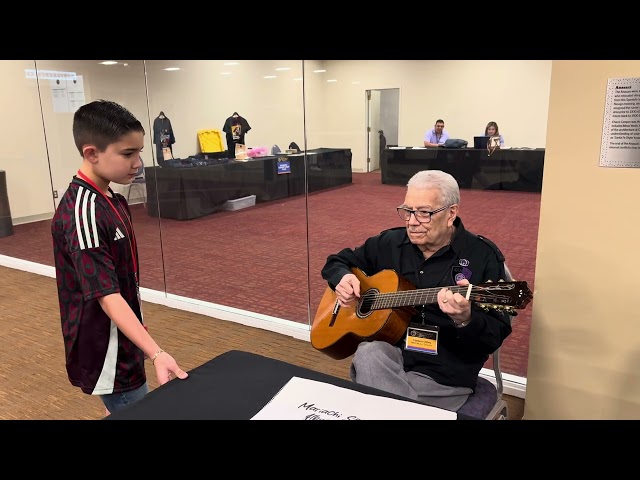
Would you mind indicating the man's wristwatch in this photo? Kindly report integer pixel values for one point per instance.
(461, 325)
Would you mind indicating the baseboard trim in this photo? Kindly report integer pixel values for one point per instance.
(252, 319)
(27, 266)
(32, 218)
(512, 384)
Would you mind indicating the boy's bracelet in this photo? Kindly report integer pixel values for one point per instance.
(153, 359)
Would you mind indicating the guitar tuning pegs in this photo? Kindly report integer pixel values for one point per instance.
(489, 281)
(501, 280)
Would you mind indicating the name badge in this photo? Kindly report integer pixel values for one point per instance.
(423, 339)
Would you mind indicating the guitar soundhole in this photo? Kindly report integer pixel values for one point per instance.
(366, 303)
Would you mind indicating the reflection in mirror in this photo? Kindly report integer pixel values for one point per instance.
(232, 211)
(348, 103)
(234, 217)
(26, 191)
(44, 158)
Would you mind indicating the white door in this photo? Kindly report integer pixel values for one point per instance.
(373, 129)
(383, 116)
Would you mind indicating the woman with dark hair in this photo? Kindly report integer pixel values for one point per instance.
(492, 130)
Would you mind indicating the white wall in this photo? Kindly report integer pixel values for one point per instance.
(23, 155)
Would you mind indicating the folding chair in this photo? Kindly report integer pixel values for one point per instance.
(486, 401)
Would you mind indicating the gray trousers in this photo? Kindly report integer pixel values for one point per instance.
(380, 365)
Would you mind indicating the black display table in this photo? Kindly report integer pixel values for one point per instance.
(509, 169)
(187, 193)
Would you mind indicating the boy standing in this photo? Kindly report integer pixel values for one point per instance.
(96, 261)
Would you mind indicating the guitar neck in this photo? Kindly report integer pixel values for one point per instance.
(410, 298)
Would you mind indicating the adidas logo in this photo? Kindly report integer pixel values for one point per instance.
(119, 234)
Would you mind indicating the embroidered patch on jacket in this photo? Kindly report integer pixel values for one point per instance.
(460, 273)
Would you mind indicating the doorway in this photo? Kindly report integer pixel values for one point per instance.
(383, 112)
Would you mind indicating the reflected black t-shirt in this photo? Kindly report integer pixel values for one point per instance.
(235, 128)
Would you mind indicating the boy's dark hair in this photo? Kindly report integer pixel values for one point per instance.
(101, 123)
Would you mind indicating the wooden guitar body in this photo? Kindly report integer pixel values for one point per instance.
(338, 335)
(386, 305)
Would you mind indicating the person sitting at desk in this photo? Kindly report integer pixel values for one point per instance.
(433, 249)
(491, 130)
(436, 136)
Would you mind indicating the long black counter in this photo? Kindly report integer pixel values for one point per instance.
(507, 169)
(187, 193)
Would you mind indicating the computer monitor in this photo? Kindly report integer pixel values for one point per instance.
(480, 143)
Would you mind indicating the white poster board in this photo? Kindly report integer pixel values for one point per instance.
(303, 399)
(68, 95)
(621, 128)
(60, 96)
(75, 91)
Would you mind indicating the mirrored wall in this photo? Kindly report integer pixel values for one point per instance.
(215, 248)
(256, 170)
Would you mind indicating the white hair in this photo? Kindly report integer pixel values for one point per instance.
(439, 180)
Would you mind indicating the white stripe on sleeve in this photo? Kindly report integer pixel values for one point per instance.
(85, 214)
(77, 212)
(85, 221)
(94, 227)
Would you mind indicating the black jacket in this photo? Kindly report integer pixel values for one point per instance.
(462, 352)
(162, 126)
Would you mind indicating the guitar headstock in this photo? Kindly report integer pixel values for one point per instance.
(508, 310)
(503, 296)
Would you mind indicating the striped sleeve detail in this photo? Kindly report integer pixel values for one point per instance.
(106, 380)
(85, 213)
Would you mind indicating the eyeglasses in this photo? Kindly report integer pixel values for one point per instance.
(423, 216)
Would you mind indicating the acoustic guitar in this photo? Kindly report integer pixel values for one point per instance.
(385, 308)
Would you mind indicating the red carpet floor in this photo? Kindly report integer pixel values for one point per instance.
(257, 259)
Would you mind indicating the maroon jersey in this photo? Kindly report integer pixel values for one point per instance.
(96, 255)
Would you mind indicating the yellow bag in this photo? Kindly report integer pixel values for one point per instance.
(210, 141)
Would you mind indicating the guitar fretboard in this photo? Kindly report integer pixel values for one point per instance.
(411, 298)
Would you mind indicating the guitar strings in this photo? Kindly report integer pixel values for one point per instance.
(428, 295)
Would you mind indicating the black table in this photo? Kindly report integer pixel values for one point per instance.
(509, 169)
(187, 193)
(233, 386)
